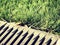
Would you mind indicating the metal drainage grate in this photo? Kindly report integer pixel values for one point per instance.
(12, 34)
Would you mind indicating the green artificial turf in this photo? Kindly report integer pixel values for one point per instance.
(42, 14)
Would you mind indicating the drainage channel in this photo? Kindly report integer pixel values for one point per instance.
(11, 34)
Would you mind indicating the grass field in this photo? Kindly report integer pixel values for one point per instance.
(41, 14)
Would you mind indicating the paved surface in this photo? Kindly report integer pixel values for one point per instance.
(13, 34)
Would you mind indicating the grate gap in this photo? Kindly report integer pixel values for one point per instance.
(42, 40)
(22, 38)
(16, 37)
(49, 41)
(2, 26)
(29, 39)
(35, 40)
(55, 42)
(4, 30)
(6, 35)
(10, 37)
